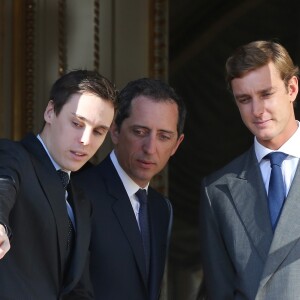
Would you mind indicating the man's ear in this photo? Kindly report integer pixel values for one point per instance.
(293, 88)
(49, 112)
(114, 133)
(179, 141)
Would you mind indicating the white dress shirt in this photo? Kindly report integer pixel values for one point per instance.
(289, 165)
(57, 167)
(130, 186)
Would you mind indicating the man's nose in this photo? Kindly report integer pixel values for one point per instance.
(86, 136)
(150, 144)
(258, 107)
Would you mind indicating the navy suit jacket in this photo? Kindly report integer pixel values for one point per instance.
(117, 259)
(32, 204)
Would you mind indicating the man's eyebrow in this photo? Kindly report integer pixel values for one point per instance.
(264, 90)
(167, 131)
(241, 95)
(81, 118)
(268, 89)
(159, 130)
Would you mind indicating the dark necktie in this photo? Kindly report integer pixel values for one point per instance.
(65, 179)
(276, 194)
(144, 225)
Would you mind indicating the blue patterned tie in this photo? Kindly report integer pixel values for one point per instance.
(276, 194)
(144, 225)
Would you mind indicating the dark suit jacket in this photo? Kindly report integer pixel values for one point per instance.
(117, 265)
(242, 257)
(32, 204)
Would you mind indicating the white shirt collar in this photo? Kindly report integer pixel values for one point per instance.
(130, 186)
(290, 147)
(56, 166)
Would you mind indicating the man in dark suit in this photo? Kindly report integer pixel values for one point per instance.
(45, 228)
(250, 225)
(147, 130)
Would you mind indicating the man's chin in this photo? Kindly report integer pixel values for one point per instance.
(76, 167)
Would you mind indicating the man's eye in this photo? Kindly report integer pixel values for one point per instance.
(100, 132)
(267, 94)
(164, 137)
(243, 100)
(139, 132)
(76, 124)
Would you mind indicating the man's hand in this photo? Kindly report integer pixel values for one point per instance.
(4, 241)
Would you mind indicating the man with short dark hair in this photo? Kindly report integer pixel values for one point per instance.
(44, 220)
(131, 221)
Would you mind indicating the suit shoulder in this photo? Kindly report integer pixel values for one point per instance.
(91, 176)
(160, 197)
(86, 173)
(155, 193)
(9, 143)
(12, 148)
(86, 166)
(233, 168)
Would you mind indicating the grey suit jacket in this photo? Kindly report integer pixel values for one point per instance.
(242, 257)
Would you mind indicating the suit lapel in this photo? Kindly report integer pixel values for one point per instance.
(249, 196)
(159, 226)
(53, 190)
(81, 213)
(125, 215)
(287, 233)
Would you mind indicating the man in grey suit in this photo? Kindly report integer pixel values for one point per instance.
(247, 251)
